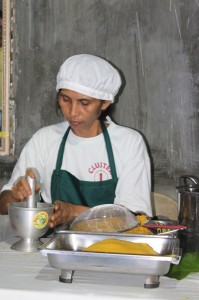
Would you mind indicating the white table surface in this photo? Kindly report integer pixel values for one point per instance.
(29, 276)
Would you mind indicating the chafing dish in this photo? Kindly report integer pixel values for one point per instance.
(64, 252)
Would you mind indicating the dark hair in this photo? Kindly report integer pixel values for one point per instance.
(1, 14)
(57, 107)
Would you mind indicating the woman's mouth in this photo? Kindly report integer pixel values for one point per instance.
(74, 123)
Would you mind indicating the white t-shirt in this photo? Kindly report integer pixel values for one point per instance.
(86, 158)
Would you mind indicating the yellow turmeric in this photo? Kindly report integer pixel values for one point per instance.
(140, 229)
(120, 246)
(142, 219)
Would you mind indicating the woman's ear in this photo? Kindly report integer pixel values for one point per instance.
(106, 104)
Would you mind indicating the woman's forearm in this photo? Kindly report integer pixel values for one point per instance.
(5, 198)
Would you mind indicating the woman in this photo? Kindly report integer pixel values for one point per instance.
(83, 161)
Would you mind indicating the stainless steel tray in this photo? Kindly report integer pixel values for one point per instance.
(64, 253)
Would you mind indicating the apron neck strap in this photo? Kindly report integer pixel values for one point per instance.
(108, 148)
(61, 150)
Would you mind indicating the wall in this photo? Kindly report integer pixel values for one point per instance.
(155, 45)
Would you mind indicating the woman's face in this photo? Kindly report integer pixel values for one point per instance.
(81, 111)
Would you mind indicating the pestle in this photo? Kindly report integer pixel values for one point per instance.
(31, 201)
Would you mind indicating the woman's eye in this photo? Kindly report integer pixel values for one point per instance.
(64, 98)
(84, 102)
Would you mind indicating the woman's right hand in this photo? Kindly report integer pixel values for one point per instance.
(21, 189)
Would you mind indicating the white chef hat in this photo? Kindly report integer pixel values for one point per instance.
(89, 75)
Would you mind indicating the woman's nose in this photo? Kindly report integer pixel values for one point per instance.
(74, 110)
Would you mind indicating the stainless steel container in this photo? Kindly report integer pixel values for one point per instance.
(188, 202)
(188, 212)
(64, 252)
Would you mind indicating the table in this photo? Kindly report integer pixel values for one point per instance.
(29, 276)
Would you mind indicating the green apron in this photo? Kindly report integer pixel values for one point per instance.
(66, 187)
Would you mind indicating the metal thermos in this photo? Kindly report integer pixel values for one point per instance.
(188, 211)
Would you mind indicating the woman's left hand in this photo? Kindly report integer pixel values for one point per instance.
(65, 213)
